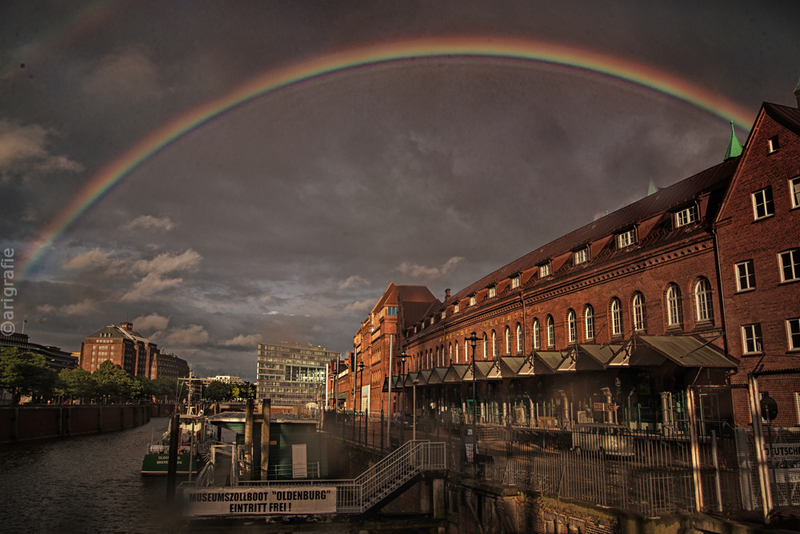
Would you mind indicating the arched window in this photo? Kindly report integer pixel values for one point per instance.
(588, 323)
(494, 344)
(702, 300)
(485, 346)
(637, 312)
(674, 306)
(450, 352)
(537, 340)
(616, 317)
(572, 327)
(508, 340)
(551, 331)
(456, 351)
(519, 338)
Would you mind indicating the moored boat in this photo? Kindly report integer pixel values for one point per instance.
(195, 439)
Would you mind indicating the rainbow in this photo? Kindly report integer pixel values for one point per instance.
(441, 47)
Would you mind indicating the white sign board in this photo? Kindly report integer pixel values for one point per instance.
(259, 501)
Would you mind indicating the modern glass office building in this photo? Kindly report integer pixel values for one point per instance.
(291, 373)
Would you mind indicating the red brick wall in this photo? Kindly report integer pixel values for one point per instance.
(742, 238)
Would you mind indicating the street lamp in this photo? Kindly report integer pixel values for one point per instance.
(403, 397)
(360, 395)
(473, 339)
(414, 411)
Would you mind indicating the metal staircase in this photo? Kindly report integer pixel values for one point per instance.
(379, 481)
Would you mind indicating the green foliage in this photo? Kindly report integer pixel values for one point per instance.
(115, 383)
(26, 373)
(217, 391)
(76, 384)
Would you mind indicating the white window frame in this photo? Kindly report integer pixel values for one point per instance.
(494, 344)
(457, 353)
(789, 261)
(616, 317)
(763, 200)
(588, 323)
(751, 339)
(514, 282)
(626, 239)
(551, 331)
(508, 340)
(444, 314)
(637, 312)
(485, 345)
(686, 216)
(794, 191)
(745, 276)
(572, 330)
(674, 306)
(544, 270)
(519, 338)
(456, 306)
(793, 333)
(773, 145)
(492, 292)
(537, 337)
(581, 256)
(473, 300)
(702, 298)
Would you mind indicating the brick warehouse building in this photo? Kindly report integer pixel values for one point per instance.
(131, 352)
(690, 288)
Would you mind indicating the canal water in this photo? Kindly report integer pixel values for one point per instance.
(84, 484)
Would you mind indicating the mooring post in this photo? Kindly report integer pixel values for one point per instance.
(248, 438)
(266, 409)
(172, 463)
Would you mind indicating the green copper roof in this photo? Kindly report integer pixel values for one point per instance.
(734, 148)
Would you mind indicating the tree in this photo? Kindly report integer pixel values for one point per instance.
(217, 391)
(76, 384)
(26, 373)
(115, 383)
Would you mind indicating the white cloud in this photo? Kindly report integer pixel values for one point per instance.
(166, 263)
(362, 306)
(353, 281)
(23, 150)
(126, 74)
(88, 259)
(79, 308)
(428, 273)
(152, 322)
(183, 337)
(243, 341)
(149, 222)
(150, 284)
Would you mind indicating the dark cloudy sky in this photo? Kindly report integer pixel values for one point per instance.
(287, 217)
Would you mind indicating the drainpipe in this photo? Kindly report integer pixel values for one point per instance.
(721, 292)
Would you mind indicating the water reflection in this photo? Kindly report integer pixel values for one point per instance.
(88, 484)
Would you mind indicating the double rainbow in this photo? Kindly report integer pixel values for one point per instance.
(442, 47)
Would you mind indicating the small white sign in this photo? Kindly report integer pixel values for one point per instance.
(259, 501)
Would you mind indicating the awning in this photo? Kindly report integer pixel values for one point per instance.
(685, 351)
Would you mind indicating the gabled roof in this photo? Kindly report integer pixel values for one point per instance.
(662, 202)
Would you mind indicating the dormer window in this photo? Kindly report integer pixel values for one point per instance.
(492, 292)
(772, 144)
(444, 314)
(544, 270)
(581, 256)
(456, 307)
(515, 282)
(472, 300)
(686, 216)
(626, 239)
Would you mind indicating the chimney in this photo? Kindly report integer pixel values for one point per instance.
(447, 293)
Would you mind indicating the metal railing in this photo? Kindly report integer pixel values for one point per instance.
(368, 489)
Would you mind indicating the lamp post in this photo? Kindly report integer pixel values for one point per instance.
(360, 369)
(414, 411)
(403, 397)
(473, 339)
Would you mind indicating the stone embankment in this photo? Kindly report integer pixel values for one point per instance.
(21, 423)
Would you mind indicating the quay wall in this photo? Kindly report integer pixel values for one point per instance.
(21, 423)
